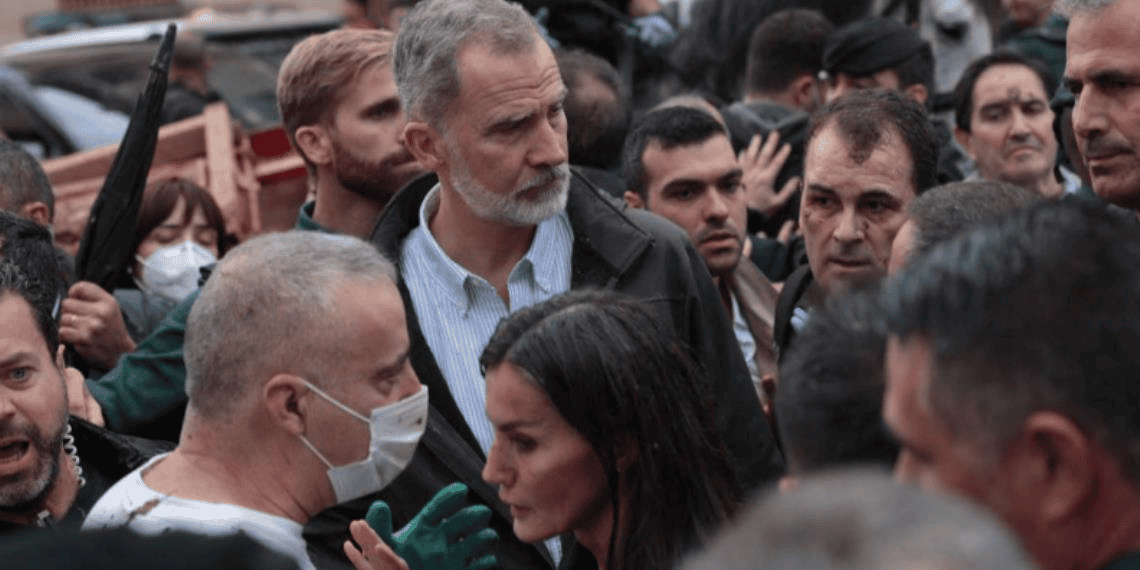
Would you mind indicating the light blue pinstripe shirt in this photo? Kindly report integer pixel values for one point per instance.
(458, 310)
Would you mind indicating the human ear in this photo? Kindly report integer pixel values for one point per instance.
(426, 144)
(633, 200)
(803, 88)
(283, 401)
(917, 92)
(1061, 461)
(37, 212)
(313, 143)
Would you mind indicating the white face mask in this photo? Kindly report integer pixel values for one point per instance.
(173, 272)
(395, 431)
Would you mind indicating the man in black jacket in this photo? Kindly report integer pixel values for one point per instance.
(869, 155)
(53, 466)
(509, 224)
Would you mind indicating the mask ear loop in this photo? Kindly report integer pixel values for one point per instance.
(332, 401)
(319, 455)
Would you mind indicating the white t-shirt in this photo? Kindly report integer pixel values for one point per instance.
(131, 503)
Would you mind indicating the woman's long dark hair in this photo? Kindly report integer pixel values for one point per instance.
(619, 377)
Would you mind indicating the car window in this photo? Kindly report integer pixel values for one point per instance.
(86, 122)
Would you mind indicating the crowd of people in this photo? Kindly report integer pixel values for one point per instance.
(859, 291)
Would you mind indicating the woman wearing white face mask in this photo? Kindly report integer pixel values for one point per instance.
(180, 230)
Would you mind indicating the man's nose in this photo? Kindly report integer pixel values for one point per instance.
(716, 205)
(1020, 126)
(550, 146)
(1088, 115)
(849, 227)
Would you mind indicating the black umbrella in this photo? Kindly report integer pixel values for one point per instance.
(105, 251)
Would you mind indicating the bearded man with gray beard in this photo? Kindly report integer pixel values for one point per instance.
(509, 224)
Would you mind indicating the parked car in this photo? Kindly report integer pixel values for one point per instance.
(50, 122)
(94, 76)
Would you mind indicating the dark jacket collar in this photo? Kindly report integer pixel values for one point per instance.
(602, 231)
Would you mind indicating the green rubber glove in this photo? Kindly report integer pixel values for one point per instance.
(442, 536)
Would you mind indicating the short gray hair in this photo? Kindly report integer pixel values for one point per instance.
(861, 520)
(268, 308)
(429, 42)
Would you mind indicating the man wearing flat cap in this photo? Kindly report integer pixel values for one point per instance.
(878, 53)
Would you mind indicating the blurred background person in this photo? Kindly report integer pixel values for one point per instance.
(188, 91)
(855, 519)
(829, 405)
(597, 109)
(1004, 121)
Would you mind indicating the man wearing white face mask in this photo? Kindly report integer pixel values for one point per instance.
(301, 396)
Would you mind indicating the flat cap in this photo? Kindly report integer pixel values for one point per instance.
(869, 45)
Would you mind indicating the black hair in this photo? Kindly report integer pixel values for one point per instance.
(32, 270)
(671, 127)
(918, 69)
(863, 117)
(619, 376)
(1038, 312)
(785, 45)
(711, 52)
(964, 90)
(830, 399)
(595, 128)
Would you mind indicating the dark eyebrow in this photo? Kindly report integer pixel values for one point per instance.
(515, 425)
(734, 174)
(996, 105)
(17, 358)
(1113, 76)
(818, 188)
(683, 183)
(876, 193)
(389, 105)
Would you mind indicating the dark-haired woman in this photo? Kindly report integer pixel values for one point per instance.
(601, 429)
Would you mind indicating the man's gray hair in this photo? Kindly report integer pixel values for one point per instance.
(268, 308)
(22, 180)
(861, 520)
(433, 34)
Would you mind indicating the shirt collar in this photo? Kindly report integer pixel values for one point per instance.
(539, 265)
(451, 276)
